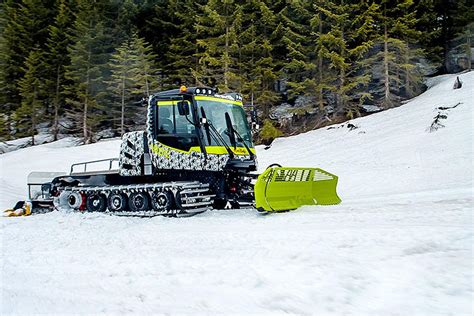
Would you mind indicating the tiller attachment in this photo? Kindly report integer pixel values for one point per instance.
(283, 189)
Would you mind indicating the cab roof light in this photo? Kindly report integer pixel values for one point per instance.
(204, 91)
(183, 89)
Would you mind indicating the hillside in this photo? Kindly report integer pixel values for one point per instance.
(400, 242)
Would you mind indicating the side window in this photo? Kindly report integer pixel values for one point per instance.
(173, 129)
(165, 119)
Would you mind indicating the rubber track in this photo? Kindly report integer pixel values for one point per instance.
(192, 197)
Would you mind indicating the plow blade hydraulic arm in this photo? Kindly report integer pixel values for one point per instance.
(283, 189)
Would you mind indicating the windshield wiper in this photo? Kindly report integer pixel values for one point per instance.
(233, 131)
(209, 127)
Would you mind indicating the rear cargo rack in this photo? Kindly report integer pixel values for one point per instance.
(39, 184)
(111, 167)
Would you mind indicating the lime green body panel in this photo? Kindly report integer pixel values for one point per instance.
(282, 189)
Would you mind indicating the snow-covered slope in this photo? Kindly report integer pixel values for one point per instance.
(392, 152)
(400, 243)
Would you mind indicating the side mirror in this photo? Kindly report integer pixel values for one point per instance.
(144, 101)
(183, 107)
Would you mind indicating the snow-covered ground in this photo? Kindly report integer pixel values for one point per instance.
(401, 242)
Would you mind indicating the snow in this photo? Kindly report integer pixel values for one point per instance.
(16, 144)
(401, 242)
(44, 136)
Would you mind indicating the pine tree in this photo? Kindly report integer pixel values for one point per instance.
(132, 67)
(395, 58)
(321, 83)
(9, 64)
(217, 30)
(465, 39)
(336, 42)
(89, 57)
(331, 63)
(56, 60)
(361, 33)
(4, 130)
(463, 21)
(6, 86)
(324, 25)
(257, 69)
(325, 50)
(145, 74)
(124, 24)
(31, 89)
(430, 25)
(24, 26)
(409, 73)
(451, 20)
(156, 25)
(298, 42)
(120, 85)
(181, 57)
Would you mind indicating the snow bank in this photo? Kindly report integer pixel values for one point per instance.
(16, 144)
(399, 244)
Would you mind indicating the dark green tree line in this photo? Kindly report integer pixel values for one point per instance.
(78, 66)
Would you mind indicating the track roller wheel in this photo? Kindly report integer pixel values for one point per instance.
(117, 202)
(161, 201)
(96, 202)
(139, 202)
(74, 200)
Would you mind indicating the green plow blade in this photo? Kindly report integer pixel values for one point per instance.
(283, 189)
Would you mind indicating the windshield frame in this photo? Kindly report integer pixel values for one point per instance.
(215, 109)
(182, 133)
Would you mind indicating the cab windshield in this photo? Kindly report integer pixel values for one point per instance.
(215, 113)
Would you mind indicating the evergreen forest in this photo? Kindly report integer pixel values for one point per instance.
(82, 67)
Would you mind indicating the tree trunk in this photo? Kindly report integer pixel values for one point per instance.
(266, 110)
(122, 129)
(408, 84)
(196, 66)
(147, 85)
(226, 55)
(86, 100)
(343, 70)
(84, 117)
(468, 47)
(320, 69)
(56, 108)
(385, 67)
(84, 120)
(399, 81)
(33, 117)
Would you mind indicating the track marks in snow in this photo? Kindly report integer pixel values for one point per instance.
(341, 259)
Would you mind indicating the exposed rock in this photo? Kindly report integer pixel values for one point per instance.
(457, 83)
(369, 108)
